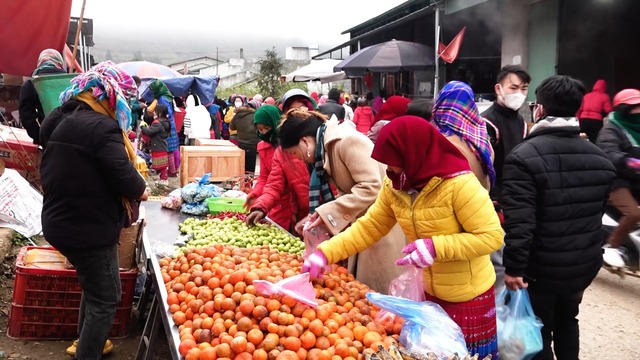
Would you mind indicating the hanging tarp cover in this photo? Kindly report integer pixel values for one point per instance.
(203, 86)
(28, 27)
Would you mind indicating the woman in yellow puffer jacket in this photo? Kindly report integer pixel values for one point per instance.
(446, 215)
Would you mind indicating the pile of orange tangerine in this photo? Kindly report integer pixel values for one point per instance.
(220, 315)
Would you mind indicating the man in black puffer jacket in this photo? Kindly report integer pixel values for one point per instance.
(555, 187)
(332, 106)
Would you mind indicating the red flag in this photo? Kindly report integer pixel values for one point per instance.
(30, 26)
(71, 62)
(449, 53)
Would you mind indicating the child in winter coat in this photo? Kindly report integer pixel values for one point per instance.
(363, 116)
(158, 132)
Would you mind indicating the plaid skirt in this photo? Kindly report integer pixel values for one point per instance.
(159, 160)
(477, 319)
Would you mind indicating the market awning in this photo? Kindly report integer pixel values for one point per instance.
(318, 70)
(203, 86)
(29, 27)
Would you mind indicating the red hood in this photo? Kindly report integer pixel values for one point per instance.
(365, 110)
(600, 86)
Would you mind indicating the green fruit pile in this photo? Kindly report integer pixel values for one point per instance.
(233, 231)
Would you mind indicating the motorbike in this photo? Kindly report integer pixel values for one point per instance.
(630, 248)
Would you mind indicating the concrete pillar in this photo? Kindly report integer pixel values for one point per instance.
(515, 33)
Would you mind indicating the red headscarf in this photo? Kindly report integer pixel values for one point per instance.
(412, 143)
(394, 106)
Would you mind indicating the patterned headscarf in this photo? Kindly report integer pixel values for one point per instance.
(106, 81)
(50, 59)
(455, 113)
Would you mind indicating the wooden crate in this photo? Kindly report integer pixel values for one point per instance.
(223, 162)
(213, 142)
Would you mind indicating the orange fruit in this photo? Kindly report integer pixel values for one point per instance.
(308, 340)
(287, 355)
(223, 350)
(245, 324)
(370, 338)
(208, 354)
(359, 332)
(270, 342)
(292, 343)
(185, 346)
(238, 345)
(316, 327)
(255, 336)
(260, 354)
(322, 343)
(193, 354)
(260, 312)
(179, 318)
(246, 307)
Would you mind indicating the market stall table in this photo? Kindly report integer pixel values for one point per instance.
(162, 228)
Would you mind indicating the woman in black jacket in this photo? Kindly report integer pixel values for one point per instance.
(620, 140)
(90, 183)
(31, 114)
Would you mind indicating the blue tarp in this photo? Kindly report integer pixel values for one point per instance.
(203, 86)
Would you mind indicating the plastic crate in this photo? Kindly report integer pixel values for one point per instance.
(46, 303)
(221, 204)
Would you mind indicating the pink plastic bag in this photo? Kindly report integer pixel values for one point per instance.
(407, 285)
(298, 287)
(314, 237)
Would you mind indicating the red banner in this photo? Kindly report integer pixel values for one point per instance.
(28, 27)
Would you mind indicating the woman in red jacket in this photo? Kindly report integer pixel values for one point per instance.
(283, 184)
(595, 106)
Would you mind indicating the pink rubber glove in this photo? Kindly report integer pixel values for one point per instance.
(316, 264)
(633, 163)
(420, 253)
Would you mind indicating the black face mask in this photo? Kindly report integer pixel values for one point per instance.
(399, 181)
(269, 136)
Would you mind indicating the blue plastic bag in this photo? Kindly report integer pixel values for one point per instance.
(426, 328)
(198, 209)
(200, 191)
(519, 335)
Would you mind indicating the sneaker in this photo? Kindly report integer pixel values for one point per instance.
(613, 257)
(71, 350)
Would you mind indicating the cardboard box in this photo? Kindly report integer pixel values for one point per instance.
(223, 162)
(15, 80)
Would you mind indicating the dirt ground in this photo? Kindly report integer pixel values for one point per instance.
(125, 349)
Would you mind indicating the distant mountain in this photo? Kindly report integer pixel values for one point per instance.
(167, 50)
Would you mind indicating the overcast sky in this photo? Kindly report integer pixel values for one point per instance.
(304, 22)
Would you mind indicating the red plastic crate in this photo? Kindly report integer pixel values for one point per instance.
(46, 303)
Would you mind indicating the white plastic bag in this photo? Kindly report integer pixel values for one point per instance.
(20, 204)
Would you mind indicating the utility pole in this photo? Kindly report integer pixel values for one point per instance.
(217, 61)
(436, 79)
(75, 41)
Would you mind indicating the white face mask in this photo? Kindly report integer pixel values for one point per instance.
(238, 104)
(513, 101)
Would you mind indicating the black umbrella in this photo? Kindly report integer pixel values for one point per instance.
(390, 56)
